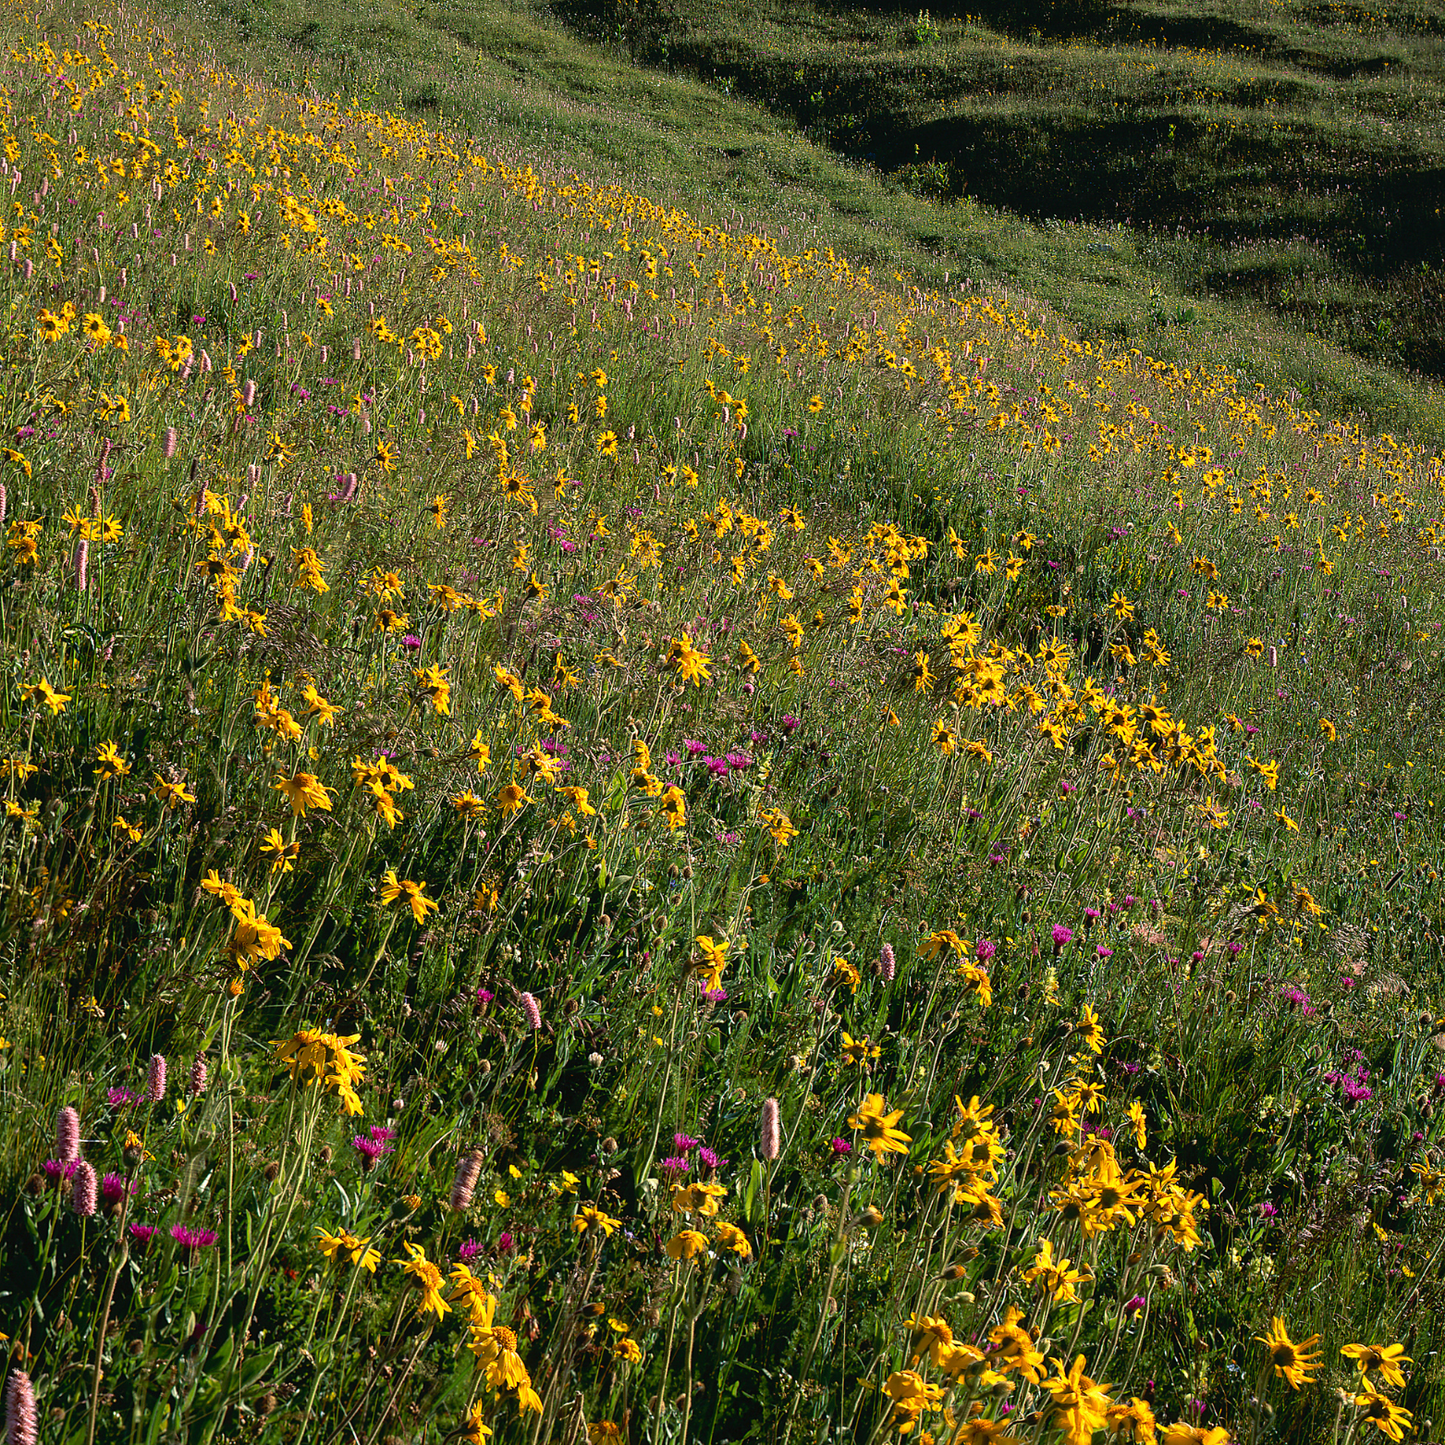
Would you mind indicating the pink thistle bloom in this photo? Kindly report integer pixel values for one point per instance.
(192, 1239)
(59, 1171)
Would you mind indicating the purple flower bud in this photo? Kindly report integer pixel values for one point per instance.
(22, 1425)
(156, 1079)
(534, 1014)
(83, 1190)
(67, 1135)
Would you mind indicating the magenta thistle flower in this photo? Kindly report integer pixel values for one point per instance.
(156, 1079)
(470, 1250)
(684, 1144)
(60, 1170)
(114, 1189)
(842, 1146)
(984, 950)
(675, 1164)
(67, 1135)
(142, 1234)
(371, 1151)
(1061, 936)
(193, 1239)
(121, 1098)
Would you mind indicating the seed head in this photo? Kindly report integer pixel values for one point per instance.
(770, 1138)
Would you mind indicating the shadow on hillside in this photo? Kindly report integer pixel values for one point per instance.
(1173, 170)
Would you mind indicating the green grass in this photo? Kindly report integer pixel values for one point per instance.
(499, 671)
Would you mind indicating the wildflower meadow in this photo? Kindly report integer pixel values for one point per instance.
(617, 828)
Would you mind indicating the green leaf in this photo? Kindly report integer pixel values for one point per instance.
(750, 1195)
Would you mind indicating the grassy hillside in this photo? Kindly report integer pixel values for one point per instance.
(1287, 154)
(514, 74)
(618, 826)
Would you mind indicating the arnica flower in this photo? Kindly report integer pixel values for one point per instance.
(193, 1240)
(393, 888)
(1293, 1361)
(155, 1089)
(878, 1126)
(22, 1425)
(83, 1186)
(67, 1135)
(687, 1245)
(428, 1279)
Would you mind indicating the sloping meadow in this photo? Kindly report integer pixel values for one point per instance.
(616, 828)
